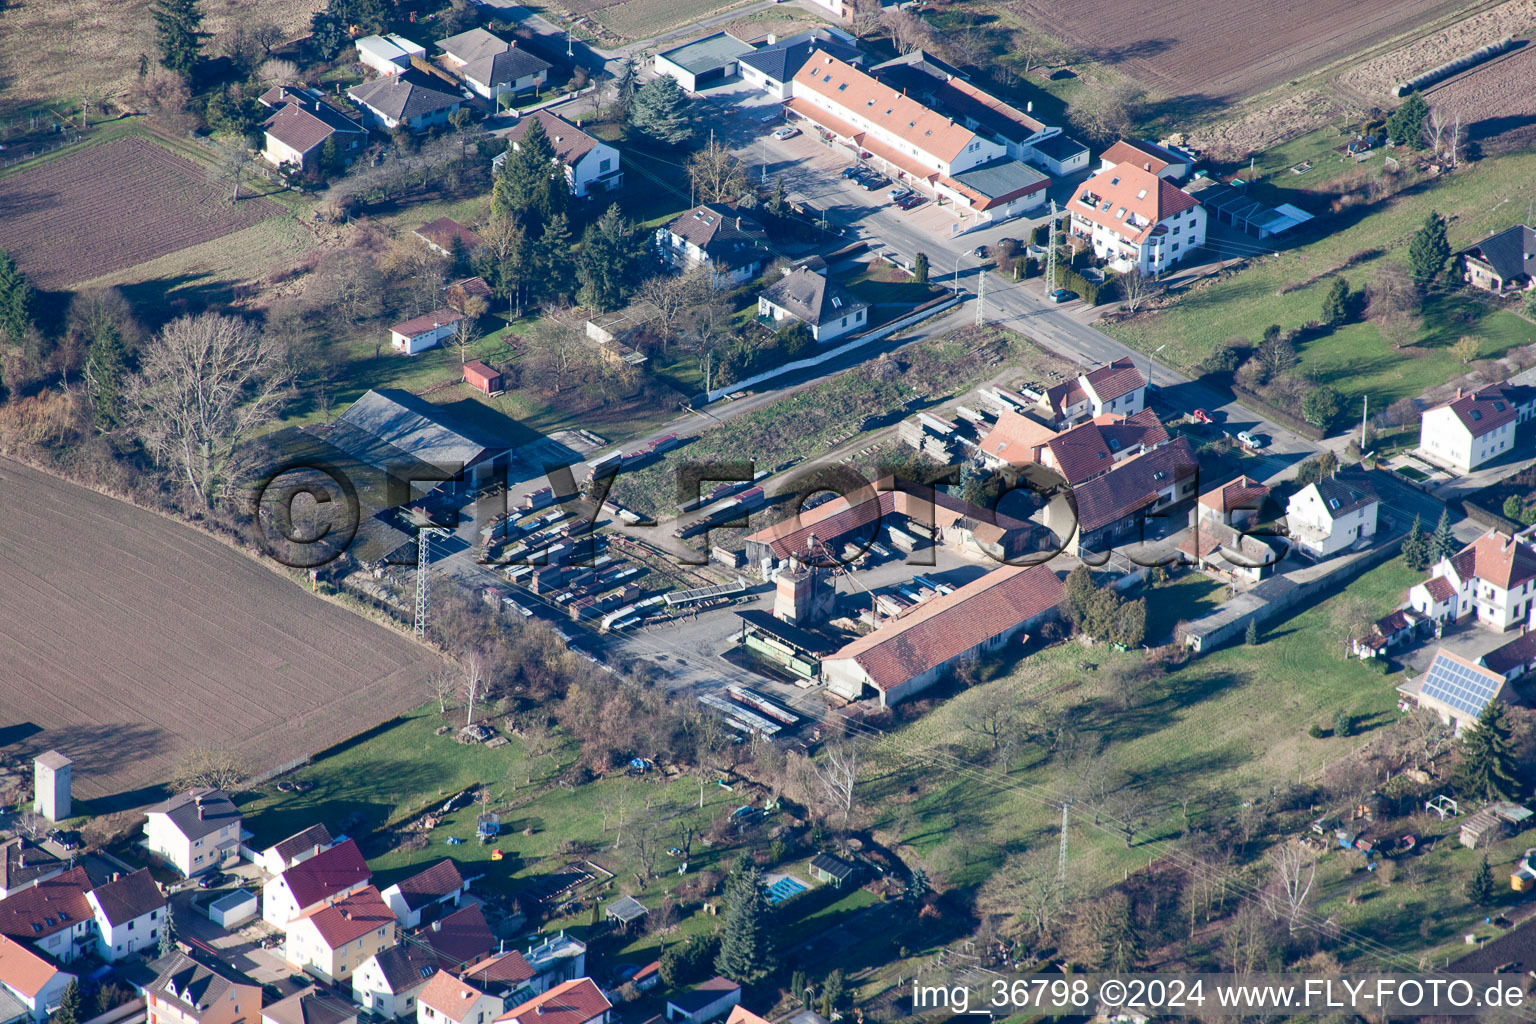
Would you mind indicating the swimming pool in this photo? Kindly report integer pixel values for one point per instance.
(785, 888)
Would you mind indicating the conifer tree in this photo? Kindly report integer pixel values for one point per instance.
(176, 30)
(746, 953)
(1488, 769)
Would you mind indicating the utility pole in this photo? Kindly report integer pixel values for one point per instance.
(423, 553)
(1061, 859)
(568, 40)
(1365, 412)
(1050, 254)
(981, 298)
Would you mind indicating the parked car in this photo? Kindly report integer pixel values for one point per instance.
(211, 879)
(898, 194)
(876, 183)
(789, 131)
(852, 172)
(912, 201)
(980, 251)
(1201, 416)
(1248, 440)
(1063, 295)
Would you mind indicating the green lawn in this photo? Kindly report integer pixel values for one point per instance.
(1223, 728)
(1188, 597)
(1356, 359)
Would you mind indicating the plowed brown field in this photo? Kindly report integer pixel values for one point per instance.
(1496, 101)
(128, 638)
(1196, 48)
(111, 206)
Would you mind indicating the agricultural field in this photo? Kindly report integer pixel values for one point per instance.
(629, 20)
(130, 638)
(1195, 53)
(108, 207)
(1373, 80)
(1495, 101)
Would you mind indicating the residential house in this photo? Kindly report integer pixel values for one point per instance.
(408, 99)
(1455, 688)
(731, 244)
(703, 62)
(1503, 262)
(1116, 387)
(195, 831)
(1093, 448)
(310, 1006)
(334, 939)
(505, 975)
(706, 1001)
(1476, 426)
(831, 870)
(1014, 440)
(1238, 503)
(301, 126)
(1115, 507)
(545, 964)
(1492, 580)
(1391, 631)
(30, 981)
(449, 1000)
(946, 90)
(572, 1002)
(23, 864)
(299, 847)
(772, 67)
(1154, 159)
(389, 982)
(741, 1015)
(913, 651)
(591, 165)
(1136, 220)
(424, 332)
(460, 939)
(190, 989)
(445, 234)
(53, 916)
(1221, 549)
(388, 54)
(1332, 515)
(426, 893)
(130, 911)
(312, 882)
(824, 306)
(491, 66)
(1515, 658)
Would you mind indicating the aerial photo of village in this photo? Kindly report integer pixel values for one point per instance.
(767, 511)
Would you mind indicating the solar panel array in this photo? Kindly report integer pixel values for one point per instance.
(1463, 688)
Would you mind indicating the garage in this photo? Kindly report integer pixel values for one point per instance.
(703, 62)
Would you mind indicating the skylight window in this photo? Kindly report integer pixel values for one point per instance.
(1120, 213)
(1114, 181)
(1476, 414)
(1142, 194)
(841, 86)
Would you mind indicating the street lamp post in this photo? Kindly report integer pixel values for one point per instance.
(955, 277)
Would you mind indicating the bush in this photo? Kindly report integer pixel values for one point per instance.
(1316, 731)
(1070, 279)
(1031, 267)
(1040, 234)
(1343, 724)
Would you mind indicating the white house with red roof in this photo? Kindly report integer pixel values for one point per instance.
(914, 650)
(333, 940)
(1116, 387)
(427, 893)
(423, 332)
(300, 846)
(1137, 220)
(130, 911)
(30, 980)
(1014, 440)
(1236, 503)
(578, 1001)
(1476, 426)
(1093, 448)
(591, 165)
(312, 882)
(450, 1000)
(1491, 580)
(1155, 159)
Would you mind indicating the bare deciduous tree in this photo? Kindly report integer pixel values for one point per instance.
(838, 773)
(1295, 870)
(278, 72)
(1136, 289)
(443, 683)
(716, 175)
(205, 384)
(907, 30)
(472, 681)
(465, 333)
(863, 16)
(207, 768)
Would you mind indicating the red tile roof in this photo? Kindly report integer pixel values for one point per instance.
(461, 937)
(741, 1015)
(441, 879)
(569, 142)
(1112, 380)
(1129, 201)
(1063, 396)
(351, 917)
(943, 628)
(1132, 485)
(449, 996)
(1440, 589)
(427, 322)
(1242, 493)
(1483, 411)
(50, 906)
(1495, 558)
(128, 898)
(326, 874)
(1140, 154)
(845, 86)
(22, 969)
(506, 967)
(299, 842)
(1014, 438)
(573, 1002)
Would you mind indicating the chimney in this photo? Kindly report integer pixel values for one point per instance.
(22, 859)
(200, 812)
(116, 875)
(772, 38)
(1458, 392)
(738, 222)
(1147, 166)
(437, 926)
